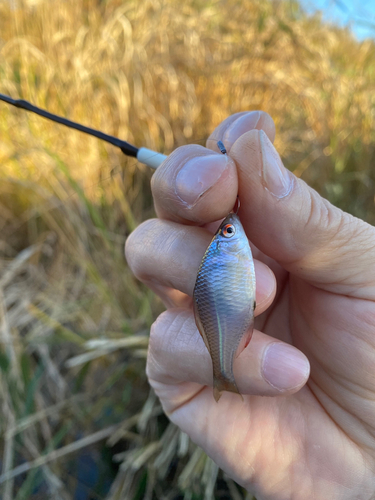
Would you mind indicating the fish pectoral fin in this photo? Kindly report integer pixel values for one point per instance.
(200, 326)
(221, 384)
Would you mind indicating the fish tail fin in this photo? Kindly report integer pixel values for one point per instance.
(222, 383)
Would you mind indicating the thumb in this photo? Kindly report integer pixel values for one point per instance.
(293, 224)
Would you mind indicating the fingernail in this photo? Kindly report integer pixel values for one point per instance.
(276, 177)
(284, 367)
(243, 124)
(198, 175)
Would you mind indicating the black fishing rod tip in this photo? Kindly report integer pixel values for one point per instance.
(144, 155)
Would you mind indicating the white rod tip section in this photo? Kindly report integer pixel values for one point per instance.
(150, 158)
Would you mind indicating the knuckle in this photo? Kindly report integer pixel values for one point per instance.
(176, 350)
(163, 337)
(333, 230)
(136, 246)
(154, 364)
(157, 332)
(335, 226)
(323, 215)
(174, 327)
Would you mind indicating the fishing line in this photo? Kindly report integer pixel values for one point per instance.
(223, 150)
(143, 155)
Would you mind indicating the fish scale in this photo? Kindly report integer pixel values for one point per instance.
(224, 299)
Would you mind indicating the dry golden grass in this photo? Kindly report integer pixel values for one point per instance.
(73, 321)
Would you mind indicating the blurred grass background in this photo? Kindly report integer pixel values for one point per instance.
(78, 421)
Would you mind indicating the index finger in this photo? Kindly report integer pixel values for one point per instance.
(196, 185)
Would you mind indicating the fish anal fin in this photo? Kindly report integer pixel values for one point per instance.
(200, 326)
(223, 384)
(217, 394)
(246, 337)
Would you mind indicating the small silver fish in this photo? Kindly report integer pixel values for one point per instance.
(224, 300)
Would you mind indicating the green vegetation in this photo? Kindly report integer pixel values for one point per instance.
(77, 413)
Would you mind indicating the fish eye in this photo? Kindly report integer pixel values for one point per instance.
(228, 230)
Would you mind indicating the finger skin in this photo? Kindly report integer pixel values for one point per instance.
(177, 354)
(319, 442)
(224, 131)
(170, 296)
(167, 254)
(298, 229)
(168, 203)
(215, 201)
(302, 231)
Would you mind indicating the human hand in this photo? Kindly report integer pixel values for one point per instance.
(315, 295)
